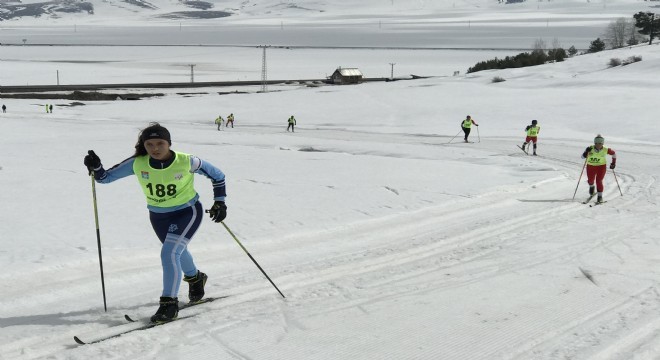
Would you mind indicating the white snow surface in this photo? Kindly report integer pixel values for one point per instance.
(389, 236)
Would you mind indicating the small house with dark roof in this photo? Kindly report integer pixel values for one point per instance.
(343, 76)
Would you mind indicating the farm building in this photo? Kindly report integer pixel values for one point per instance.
(343, 76)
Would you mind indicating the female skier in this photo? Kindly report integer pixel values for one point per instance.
(166, 177)
(596, 156)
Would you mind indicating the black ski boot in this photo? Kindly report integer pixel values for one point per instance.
(523, 147)
(168, 310)
(599, 199)
(196, 286)
(592, 190)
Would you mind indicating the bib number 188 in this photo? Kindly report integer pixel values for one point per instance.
(161, 190)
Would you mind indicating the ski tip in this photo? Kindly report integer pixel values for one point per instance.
(128, 318)
(80, 342)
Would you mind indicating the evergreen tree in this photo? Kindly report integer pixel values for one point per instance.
(572, 50)
(536, 57)
(596, 46)
(648, 24)
(557, 54)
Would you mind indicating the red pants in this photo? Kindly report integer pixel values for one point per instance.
(531, 138)
(596, 172)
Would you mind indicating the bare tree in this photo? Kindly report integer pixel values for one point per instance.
(615, 33)
(557, 53)
(539, 45)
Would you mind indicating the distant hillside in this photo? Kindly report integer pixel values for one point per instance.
(337, 12)
(82, 10)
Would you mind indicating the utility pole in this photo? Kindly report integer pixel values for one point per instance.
(392, 71)
(651, 31)
(192, 72)
(264, 70)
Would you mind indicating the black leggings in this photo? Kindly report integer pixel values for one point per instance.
(467, 132)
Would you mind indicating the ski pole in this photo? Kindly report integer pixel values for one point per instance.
(452, 139)
(251, 258)
(98, 239)
(617, 182)
(478, 136)
(578, 184)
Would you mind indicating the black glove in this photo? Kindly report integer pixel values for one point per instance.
(586, 152)
(92, 161)
(613, 165)
(218, 211)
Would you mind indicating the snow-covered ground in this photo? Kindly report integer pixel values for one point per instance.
(390, 238)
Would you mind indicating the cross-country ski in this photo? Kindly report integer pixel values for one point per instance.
(589, 199)
(184, 306)
(597, 203)
(115, 332)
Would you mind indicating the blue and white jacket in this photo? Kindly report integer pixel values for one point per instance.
(197, 165)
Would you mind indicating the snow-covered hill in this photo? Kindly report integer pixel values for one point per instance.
(390, 240)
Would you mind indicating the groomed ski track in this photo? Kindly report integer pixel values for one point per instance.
(353, 275)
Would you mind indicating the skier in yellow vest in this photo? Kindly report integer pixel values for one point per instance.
(166, 178)
(466, 125)
(219, 122)
(532, 135)
(292, 123)
(230, 120)
(596, 160)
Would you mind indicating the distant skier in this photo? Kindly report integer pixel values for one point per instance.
(292, 123)
(532, 134)
(47, 109)
(230, 119)
(4, 108)
(466, 125)
(51, 108)
(596, 160)
(219, 121)
(166, 177)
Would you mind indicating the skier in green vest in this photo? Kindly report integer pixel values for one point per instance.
(218, 121)
(532, 135)
(292, 123)
(166, 178)
(466, 125)
(596, 161)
